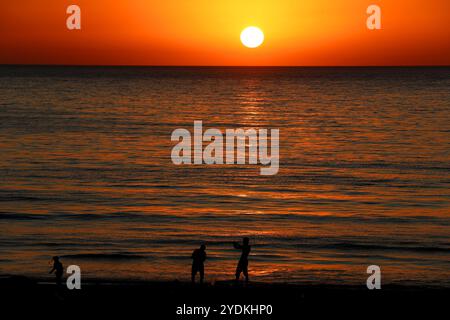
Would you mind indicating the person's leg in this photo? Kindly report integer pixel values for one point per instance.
(202, 273)
(238, 271)
(245, 271)
(193, 273)
(58, 279)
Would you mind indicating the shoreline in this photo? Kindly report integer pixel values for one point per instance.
(18, 279)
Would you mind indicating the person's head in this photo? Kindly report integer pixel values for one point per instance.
(203, 247)
(246, 240)
(55, 258)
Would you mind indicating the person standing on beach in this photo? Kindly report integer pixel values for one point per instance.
(58, 269)
(242, 266)
(198, 259)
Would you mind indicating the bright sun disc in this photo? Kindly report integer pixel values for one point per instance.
(252, 37)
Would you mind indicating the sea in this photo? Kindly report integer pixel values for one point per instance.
(364, 177)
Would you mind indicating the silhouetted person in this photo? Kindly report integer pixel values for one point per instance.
(58, 269)
(198, 258)
(243, 261)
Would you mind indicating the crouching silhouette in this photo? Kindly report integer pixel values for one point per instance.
(58, 269)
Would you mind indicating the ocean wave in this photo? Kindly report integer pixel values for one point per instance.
(364, 247)
(22, 216)
(106, 256)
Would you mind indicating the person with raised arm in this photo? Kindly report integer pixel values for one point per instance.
(242, 266)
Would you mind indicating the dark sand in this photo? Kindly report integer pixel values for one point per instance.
(159, 300)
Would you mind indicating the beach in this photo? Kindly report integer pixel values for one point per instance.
(164, 299)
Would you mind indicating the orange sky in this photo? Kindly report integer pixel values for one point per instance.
(206, 32)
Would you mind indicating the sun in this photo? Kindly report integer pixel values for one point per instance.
(252, 37)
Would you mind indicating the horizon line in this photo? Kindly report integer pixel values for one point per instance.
(219, 66)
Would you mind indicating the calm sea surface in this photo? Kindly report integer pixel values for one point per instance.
(85, 173)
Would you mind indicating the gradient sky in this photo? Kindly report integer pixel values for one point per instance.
(206, 32)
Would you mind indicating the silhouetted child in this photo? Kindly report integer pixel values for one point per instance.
(198, 258)
(243, 261)
(58, 269)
